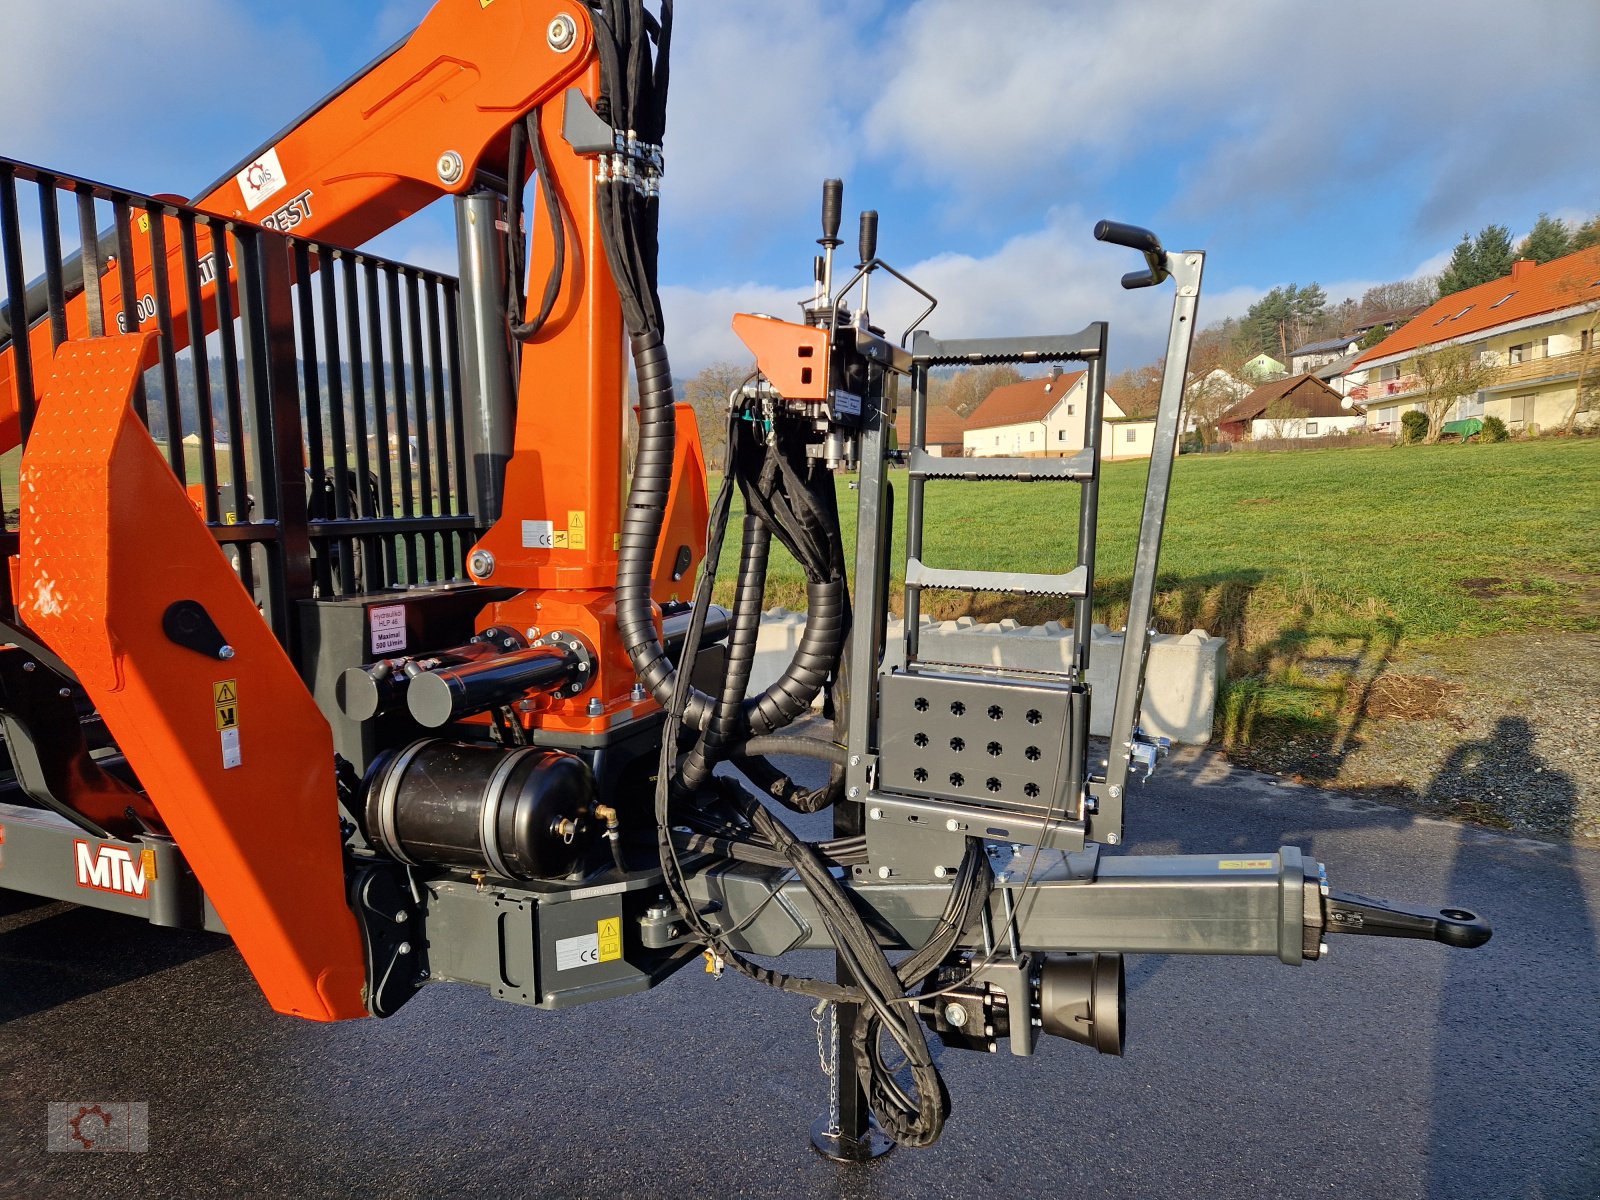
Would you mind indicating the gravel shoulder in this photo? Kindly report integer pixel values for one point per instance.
(1501, 731)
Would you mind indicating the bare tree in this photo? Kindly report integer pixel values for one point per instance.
(1137, 390)
(708, 393)
(1282, 415)
(970, 388)
(1446, 374)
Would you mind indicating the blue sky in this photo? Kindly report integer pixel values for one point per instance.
(1345, 143)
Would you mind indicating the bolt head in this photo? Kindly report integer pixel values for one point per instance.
(402, 917)
(1114, 792)
(30, 667)
(533, 632)
(481, 564)
(855, 760)
(955, 1014)
(884, 872)
(450, 167)
(953, 825)
(64, 693)
(226, 653)
(596, 708)
(876, 814)
(562, 33)
(403, 948)
(854, 792)
(941, 872)
(1113, 839)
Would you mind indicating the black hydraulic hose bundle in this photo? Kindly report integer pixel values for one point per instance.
(790, 496)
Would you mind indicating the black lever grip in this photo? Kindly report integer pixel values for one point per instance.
(832, 206)
(869, 235)
(1140, 279)
(1130, 236)
(1345, 912)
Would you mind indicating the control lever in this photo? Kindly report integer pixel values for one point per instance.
(1142, 240)
(1345, 912)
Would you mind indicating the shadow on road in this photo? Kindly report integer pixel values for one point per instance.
(1479, 1009)
(51, 953)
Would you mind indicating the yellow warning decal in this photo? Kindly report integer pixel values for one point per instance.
(558, 539)
(227, 716)
(610, 934)
(226, 692)
(1245, 864)
(577, 529)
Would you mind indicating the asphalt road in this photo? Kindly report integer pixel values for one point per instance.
(1393, 1069)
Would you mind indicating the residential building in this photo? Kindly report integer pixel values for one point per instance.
(1047, 418)
(1301, 406)
(1319, 354)
(1538, 326)
(1262, 368)
(942, 434)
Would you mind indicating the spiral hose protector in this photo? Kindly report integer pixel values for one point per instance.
(814, 659)
(641, 529)
(727, 717)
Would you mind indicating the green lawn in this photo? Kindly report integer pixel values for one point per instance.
(1315, 565)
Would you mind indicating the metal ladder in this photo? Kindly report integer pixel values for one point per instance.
(991, 752)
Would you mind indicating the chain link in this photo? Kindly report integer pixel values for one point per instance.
(826, 1018)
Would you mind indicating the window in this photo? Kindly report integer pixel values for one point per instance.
(1069, 410)
(1462, 313)
(1586, 341)
(1469, 406)
(1502, 300)
(1031, 432)
(1311, 429)
(1528, 351)
(1519, 410)
(997, 440)
(1061, 435)
(1133, 434)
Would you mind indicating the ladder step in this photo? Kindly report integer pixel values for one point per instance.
(1079, 467)
(1070, 584)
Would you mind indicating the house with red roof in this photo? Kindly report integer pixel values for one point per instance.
(1048, 418)
(1537, 326)
(941, 435)
(1301, 406)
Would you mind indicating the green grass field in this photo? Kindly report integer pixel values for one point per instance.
(1315, 565)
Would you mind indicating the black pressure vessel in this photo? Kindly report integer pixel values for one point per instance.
(523, 813)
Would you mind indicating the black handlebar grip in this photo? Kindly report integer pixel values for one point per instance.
(869, 235)
(832, 206)
(1130, 236)
(1139, 279)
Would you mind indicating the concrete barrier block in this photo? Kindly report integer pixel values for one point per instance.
(1184, 674)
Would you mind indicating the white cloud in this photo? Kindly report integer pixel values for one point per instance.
(700, 320)
(78, 83)
(763, 101)
(1301, 105)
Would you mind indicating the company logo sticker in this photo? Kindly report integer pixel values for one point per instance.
(262, 179)
(108, 868)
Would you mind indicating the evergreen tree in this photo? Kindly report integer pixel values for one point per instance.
(1548, 239)
(1585, 235)
(1478, 260)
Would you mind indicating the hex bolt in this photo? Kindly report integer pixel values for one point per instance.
(855, 760)
(30, 667)
(450, 167)
(637, 695)
(533, 632)
(885, 873)
(403, 948)
(562, 33)
(955, 1014)
(941, 872)
(226, 653)
(876, 814)
(402, 917)
(481, 564)
(1113, 839)
(953, 825)
(595, 708)
(1114, 792)
(64, 693)
(854, 792)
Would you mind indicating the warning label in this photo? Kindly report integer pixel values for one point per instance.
(226, 692)
(577, 529)
(610, 937)
(227, 716)
(1245, 864)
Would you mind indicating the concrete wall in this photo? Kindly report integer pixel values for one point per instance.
(1181, 682)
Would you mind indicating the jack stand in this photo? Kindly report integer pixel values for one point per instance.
(847, 1133)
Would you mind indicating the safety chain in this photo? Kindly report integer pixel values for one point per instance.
(826, 1014)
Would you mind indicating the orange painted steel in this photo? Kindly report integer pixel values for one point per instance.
(109, 540)
(688, 511)
(369, 156)
(794, 358)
